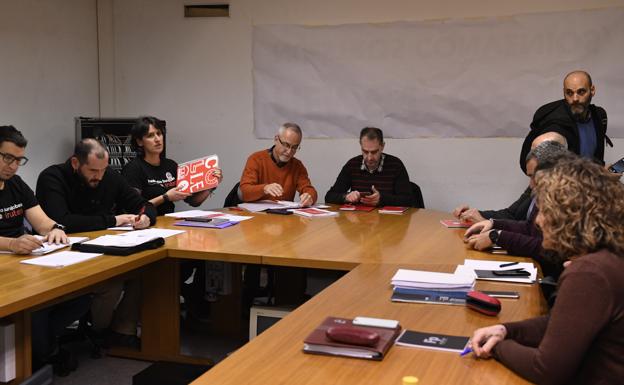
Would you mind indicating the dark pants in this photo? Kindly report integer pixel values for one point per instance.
(49, 323)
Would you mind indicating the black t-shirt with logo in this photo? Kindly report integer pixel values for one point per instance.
(15, 198)
(152, 181)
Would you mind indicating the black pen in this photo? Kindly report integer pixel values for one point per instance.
(508, 264)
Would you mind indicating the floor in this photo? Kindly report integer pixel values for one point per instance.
(196, 340)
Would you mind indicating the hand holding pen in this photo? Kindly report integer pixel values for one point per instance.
(141, 221)
(483, 340)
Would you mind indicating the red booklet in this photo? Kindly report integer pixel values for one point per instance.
(455, 223)
(348, 207)
(319, 343)
(196, 175)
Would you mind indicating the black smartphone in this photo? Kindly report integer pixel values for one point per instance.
(198, 219)
(279, 211)
(511, 273)
(502, 294)
(617, 167)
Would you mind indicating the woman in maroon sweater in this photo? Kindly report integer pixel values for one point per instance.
(581, 341)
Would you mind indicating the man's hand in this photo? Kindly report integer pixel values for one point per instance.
(141, 221)
(24, 244)
(459, 210)
(483, 340)
(480, 241)
(479, 227)
(175, 195)
(471, 215)
(305, 200)
(125, 219)
(56, 236)
(353, 197)
(373, 199)
(273, 189)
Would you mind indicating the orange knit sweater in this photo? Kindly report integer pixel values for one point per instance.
(260, 170)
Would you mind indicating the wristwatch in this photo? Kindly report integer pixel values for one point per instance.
(494, 236)
(58, 226)
(165, 198)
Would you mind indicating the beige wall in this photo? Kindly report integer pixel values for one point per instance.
(197, 74)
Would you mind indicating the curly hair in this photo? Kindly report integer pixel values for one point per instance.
(582, 208)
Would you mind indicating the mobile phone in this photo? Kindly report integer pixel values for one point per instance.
(502, 294)
(198, 219)
(511, 273)
(617, 167)
(279, 211)
(365, 193)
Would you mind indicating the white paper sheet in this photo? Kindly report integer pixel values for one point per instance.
(50, 247)
(61, 259)
(470, 265)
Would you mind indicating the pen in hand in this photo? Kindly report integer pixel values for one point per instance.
(141, 212)
(466, 350)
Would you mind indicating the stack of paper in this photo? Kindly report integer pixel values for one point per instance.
(431, 287)
(314, 212)
(133, 238)
(255, 207)
(207, 214)
(471, 266)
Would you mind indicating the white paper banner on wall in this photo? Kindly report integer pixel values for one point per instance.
(460, 78)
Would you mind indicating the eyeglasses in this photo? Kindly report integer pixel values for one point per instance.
(293, 147)
(9, 159)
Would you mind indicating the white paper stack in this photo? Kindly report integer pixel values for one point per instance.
(470, 265)
(255, 207)
(428, 280)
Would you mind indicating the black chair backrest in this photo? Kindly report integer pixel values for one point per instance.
(232, 200)
(417, 198)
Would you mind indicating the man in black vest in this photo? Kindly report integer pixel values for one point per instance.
(584, 125)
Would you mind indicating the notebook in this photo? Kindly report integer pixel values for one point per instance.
(318, 342)
(432, 341)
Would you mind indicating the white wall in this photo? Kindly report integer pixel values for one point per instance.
(48, 74)
(197, 74)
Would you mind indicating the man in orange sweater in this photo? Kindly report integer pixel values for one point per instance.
(275, 173)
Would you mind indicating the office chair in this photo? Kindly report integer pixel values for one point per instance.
(234, 197)
(417, 198)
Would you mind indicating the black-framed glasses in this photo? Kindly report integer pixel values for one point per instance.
(9, 159)
(292, 147)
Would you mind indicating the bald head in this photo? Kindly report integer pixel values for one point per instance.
(549, 137)
(578, 76)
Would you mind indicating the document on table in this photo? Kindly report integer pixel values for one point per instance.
(430, 279)
(133, 238)
(50, 247)
(470, 265)
(61, 259)
(207, 214)
(255, 207)
(121, 228)
(192, 214)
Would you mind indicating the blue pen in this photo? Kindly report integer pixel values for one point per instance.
(467, 350)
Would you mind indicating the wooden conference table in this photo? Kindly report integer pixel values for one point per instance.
(373, 246)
